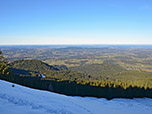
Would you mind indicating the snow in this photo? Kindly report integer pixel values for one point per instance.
(23, 100)
(42, 75)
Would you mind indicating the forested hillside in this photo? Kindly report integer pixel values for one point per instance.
(100, 71)
(37, 67)
(96, 74)
(105, 75)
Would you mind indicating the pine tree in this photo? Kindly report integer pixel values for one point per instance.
(3, 64)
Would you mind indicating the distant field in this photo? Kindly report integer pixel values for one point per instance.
(129, 57)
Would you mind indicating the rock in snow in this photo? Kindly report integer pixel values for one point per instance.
(23, 100)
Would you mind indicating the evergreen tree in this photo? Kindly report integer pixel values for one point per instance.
(3, 64)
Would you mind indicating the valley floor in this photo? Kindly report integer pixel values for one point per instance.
(23, 100)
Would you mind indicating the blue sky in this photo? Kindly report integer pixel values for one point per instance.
(75, 22)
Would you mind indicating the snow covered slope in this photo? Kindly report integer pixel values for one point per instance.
(23, 100)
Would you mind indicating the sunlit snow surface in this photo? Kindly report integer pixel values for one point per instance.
(23, 100)
(42, 75)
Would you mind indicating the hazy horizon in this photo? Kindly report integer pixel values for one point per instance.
(79, 45)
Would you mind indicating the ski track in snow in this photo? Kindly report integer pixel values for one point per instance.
(19, 99)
